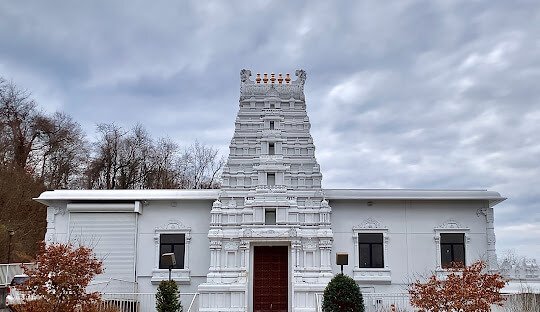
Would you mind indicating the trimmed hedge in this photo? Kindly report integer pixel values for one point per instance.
(342, 294)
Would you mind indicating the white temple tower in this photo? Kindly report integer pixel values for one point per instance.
(270, 233)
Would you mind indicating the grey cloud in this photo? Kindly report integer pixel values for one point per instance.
(410, 94)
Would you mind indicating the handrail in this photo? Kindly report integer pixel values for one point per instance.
(192, 301)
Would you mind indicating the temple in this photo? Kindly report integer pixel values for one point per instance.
(268, 239)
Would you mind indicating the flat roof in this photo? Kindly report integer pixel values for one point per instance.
(413, 194)
(331, 194)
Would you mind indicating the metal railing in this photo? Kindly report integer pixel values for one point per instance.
(377, 302)
(144, 302)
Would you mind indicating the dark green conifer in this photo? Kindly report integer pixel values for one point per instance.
(342, 294)
(167, 297)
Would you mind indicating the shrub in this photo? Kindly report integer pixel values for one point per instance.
(59, 280)
(342, 295)
(167, 299)
(465, 289)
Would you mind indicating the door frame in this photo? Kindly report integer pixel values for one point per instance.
(251, 267)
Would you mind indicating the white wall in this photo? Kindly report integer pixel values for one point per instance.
(412, 251)
(411, 244)
(194, 214)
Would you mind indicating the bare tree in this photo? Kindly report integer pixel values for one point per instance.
(21, 124)
(63, 152)
(199, 167)
(161, 172)
(103, 168)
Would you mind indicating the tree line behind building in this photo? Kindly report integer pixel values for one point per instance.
(40, 151)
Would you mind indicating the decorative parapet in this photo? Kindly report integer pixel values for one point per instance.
(271, 86)
(265, 158)
(269, 233)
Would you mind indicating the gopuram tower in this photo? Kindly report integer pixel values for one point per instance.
(270, 232)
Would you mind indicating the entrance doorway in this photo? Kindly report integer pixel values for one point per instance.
(270, 278)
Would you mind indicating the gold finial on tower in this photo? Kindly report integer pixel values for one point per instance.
(273, 77)
(265, 78)
(258, 79)
(280, 78)
(288, 78)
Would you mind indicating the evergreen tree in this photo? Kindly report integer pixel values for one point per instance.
(167, 297)
(342, 294)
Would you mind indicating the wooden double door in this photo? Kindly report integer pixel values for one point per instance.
(270, 278)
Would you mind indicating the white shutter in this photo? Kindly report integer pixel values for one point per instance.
(112, 238)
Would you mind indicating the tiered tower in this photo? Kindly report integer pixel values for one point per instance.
(271, 196)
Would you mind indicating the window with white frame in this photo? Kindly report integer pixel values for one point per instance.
(452, 249)
(173, 237)
(451, 244)
(172, 243)
(371, 252)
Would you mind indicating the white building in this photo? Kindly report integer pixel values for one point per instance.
(267, 239)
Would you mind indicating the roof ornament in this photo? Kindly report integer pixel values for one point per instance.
(302, 76)
(244, 75)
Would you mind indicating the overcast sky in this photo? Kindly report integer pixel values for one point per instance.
(401, 94)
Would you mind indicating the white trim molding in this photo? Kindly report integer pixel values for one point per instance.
(371, 275)
(181, 276)
(450, 226)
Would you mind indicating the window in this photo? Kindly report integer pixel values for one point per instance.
(270, 216)
(370, 248)
(270, 179)
(451, 242)
(371, 256)
(271, 149)
(173, 237)
(452, 248)
(272, 125)
(174, 243)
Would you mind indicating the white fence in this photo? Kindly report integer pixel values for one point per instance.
(374, 302)
(145, 302)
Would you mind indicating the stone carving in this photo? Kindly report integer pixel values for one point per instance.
(217, 204)
(173, 224)
(451, 224)
(232, 203)
(324, 204)
(231, 246)
(309, 245)
(244, 75)
(248, 233)
(302, 76)
(369, 223)
(215, 244)
(244, 244)
(325, 243)
(292, 232)
(59, 210)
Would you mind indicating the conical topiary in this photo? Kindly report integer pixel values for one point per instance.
(167, 298)
(342, 295)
